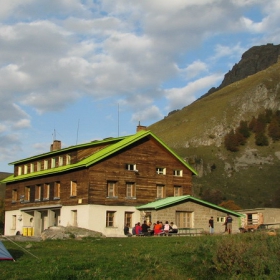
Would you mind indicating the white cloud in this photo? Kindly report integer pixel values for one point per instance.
(195, 69)
(21, 124)
(180, 97)
(54, 53)
(228, 51)
(149, 113)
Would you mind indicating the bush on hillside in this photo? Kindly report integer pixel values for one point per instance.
(274, 129)
(230, 204)
(261, 139)
(231, 142)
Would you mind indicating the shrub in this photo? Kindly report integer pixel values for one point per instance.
(261, 139)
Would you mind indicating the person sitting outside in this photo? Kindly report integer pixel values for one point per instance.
(138, 229)
(134, 230)
(145, 228)
(157, 229)
(173, 228)
(166, 228)
(126, 231)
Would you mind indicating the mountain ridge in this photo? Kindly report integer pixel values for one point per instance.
(196, 132)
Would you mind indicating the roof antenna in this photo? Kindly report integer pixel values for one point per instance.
(118, 120)
(78, 131)
(54, 135)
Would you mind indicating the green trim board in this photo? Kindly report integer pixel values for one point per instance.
(122, 142)
(169, 201)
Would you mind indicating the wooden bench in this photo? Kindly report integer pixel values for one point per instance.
(184, 232)
(190, 231)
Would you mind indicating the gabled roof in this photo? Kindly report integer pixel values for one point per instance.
(170, 201)
(96, 157)
(69, 149)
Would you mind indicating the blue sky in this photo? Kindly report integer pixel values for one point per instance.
(84, 70)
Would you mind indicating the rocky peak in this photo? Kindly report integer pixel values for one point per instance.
(256, 59)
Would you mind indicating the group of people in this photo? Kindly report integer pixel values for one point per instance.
(155, 229)
(227, 224)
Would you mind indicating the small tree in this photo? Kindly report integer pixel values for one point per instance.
(252, 124)
(268, 115)
(274, 130)
(231, 141)
(261, 139)
(244, 129)
(230, 204)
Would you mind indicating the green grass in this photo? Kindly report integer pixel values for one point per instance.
(242, 256)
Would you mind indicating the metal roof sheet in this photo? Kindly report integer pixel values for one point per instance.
(97, 156)
(169, 201)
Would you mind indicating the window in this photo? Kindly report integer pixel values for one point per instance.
(25, 169)
(14, 195)
(161, 170)
(31, 167)
(178, 173)
(14, 222)
(46, 192)
(19, 170)
(53, 163)
(130, 166)
(184, 219)
(46, 164)
(68, 159)
(160, 191)
(111, 189)
(221, 219)
(128, 218)
(56, 190)
(130, 190)
(110, 218)
(60, 161)
(27, 193)
(38, 192)
(74, 218)
(178, 191)
(38, 166)
(73, 191)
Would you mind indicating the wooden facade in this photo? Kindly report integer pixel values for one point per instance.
(115, 172)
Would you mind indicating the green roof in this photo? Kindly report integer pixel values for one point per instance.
(70, 148)
(169, 201)
(121, 143)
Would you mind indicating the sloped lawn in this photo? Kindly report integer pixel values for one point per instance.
(241, 256)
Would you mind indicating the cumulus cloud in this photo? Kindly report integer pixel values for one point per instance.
(179, 97)
(55, 53)
(195, 69)
(149, 113)
(21, 124)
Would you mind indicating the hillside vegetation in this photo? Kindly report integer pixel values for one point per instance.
(249, 176)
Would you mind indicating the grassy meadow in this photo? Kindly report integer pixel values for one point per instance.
(240, 256)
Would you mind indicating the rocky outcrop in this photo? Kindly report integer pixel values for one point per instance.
(68, 232)
(256, 59)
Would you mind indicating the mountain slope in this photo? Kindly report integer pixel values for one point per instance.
(255, 59)
(249, 177)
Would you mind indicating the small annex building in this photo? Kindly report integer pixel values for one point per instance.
(95, 185)
(189, 212)
(256, 216)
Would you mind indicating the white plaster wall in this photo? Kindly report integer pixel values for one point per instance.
(9, 230)
(93, 217)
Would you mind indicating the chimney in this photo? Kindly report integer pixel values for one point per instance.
(56, 145)
(140, 127)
